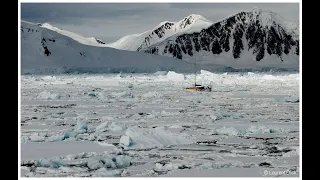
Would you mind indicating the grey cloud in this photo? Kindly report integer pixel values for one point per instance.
(110, 21)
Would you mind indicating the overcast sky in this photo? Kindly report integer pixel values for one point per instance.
(111, 21)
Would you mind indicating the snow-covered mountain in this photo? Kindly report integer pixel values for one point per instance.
(255, 39)
(46, 49)
(136, 42)
(83, 40)
(246, 39)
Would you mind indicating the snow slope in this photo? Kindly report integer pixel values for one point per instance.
(45, 49)
(84, 40)
(136, 42)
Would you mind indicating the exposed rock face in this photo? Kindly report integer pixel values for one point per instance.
(259, 32)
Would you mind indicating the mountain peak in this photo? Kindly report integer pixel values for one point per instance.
(256, 10)
(195, 16)
(135, 42)
(191, 19)
(268, 18)
(163, 23)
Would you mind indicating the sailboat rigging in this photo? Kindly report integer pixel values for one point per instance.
(196, 86)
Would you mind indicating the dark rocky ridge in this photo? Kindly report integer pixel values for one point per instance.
(262, 32)
(160, 31)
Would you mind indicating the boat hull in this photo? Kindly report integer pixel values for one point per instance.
(198, 88)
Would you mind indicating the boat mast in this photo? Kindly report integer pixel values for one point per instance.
(195, 71)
